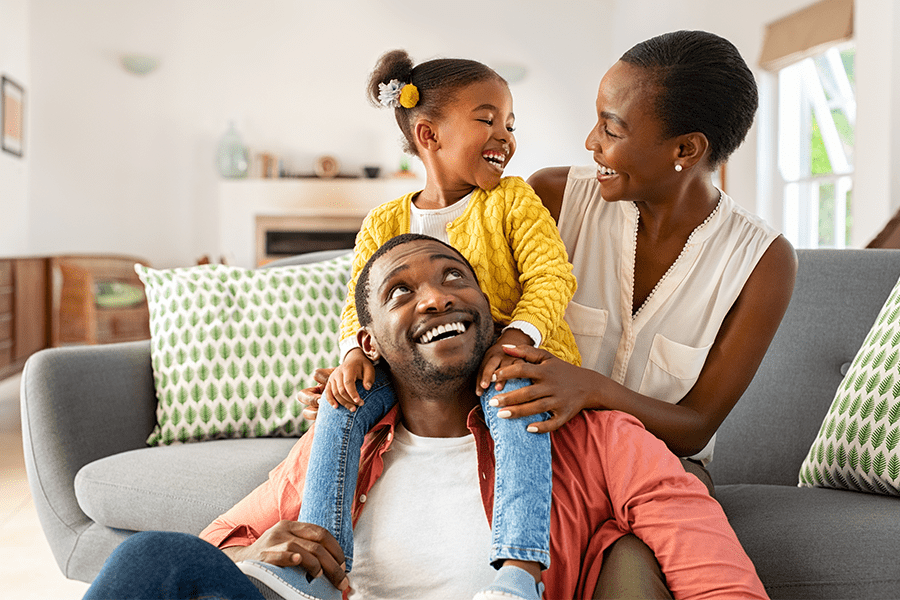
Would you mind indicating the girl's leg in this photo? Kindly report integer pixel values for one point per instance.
(167, 565)
(334, 461)
(523, 483)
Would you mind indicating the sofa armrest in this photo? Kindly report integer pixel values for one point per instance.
(80, 404)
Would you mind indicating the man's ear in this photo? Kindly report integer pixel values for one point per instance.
(426, 135)
(692, 148)
(368, 344)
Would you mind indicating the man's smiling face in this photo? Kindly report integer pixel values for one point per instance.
(430, 320)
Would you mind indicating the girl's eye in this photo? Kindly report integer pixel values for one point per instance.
(510, 129)
(488, 122)
(398, 291)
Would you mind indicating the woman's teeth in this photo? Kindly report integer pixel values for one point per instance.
(605, 170)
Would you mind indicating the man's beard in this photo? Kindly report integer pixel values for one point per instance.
(430, 374)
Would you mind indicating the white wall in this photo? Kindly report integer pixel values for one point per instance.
(124, 164)
(14, 63)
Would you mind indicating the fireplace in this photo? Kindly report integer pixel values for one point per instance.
(278, 237)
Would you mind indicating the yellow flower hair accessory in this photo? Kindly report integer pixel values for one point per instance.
(409, 96)
(395, 94)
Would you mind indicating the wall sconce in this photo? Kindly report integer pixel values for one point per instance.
(139, 64)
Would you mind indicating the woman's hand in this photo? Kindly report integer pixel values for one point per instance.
(309, 397)
(558, 387)
(289, 543)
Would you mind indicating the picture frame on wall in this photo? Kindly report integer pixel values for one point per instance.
(12, 116)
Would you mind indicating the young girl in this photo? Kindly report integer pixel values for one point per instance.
(456, 116)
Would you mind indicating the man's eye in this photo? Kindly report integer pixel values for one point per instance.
(608, 132)
(398, 291)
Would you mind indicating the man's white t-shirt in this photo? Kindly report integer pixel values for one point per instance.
(423, 532)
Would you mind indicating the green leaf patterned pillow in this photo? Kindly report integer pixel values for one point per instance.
(857, 445)
(230, 347)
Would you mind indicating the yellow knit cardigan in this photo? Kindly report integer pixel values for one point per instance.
(514, 246)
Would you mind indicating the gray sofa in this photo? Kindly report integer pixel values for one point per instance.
(87, 411)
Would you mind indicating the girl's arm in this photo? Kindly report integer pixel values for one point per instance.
(544, 269)
(686, 427)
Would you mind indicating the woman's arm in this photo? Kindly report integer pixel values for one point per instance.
(550, 185)
(685, 427)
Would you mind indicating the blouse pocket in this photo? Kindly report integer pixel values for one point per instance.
(672, 369)
(588, 325)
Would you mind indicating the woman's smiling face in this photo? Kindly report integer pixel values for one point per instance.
(633, 160)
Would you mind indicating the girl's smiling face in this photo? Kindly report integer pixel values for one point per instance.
(633, 159)
(476, 135)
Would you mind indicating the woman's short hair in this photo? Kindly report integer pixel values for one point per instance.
(703, 86)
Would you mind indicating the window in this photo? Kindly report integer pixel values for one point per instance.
(806, 120)
(816, 119)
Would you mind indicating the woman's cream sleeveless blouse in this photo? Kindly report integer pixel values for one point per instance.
(661, 351)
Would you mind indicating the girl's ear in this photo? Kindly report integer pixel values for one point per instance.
(425, 134)
(692, 148)
(367, 344)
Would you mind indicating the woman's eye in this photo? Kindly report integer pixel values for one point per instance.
(453, 274)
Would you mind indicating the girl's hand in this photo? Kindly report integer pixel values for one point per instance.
(558, 387)
(309, 397)
(496, 358)
(341, 386)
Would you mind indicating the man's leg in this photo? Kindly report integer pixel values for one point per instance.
(172, 566)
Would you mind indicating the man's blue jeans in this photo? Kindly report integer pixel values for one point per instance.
(522, 486)
(167, 565)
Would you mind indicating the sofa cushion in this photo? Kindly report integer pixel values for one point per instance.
(183, 487)
(815, 542)
(858, 444)
(230, 347)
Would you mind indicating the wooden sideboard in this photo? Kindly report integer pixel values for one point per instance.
(62, 300)
(24, 311)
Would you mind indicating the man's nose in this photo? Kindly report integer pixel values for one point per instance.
(434, 298)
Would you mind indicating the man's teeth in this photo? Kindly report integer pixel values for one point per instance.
(605, 170)
(452, 328)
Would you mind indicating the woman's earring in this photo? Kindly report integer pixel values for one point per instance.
(678, 168)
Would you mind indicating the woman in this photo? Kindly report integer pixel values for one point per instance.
(680, 291)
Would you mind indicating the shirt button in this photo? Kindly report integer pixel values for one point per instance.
(362, 497)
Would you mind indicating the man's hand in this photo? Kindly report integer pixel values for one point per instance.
(309, 397)
(341, 385)
(557, 387)
(495, 358)
(290, 544)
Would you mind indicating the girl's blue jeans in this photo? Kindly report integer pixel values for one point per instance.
(167, 566)
(522, 480)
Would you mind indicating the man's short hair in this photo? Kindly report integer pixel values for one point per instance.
(361, 296)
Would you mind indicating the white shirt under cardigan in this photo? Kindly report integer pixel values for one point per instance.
(661, 351)
(424, 513)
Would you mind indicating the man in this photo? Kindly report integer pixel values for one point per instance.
(611, 476)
